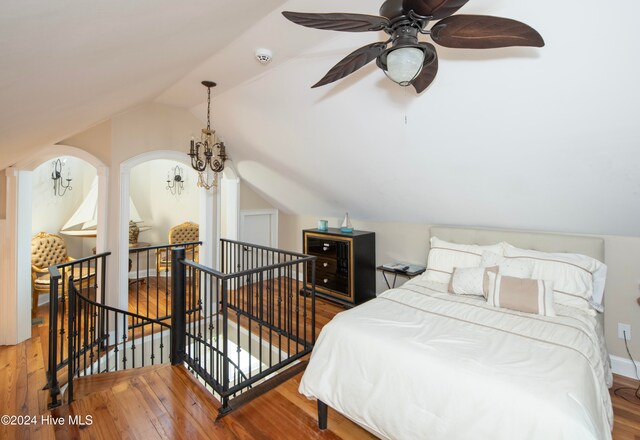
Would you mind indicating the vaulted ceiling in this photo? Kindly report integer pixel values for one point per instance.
(522, 138)
(67, 65)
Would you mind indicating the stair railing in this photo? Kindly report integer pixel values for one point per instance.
(90, 274)
(236, 329)
(105, 339)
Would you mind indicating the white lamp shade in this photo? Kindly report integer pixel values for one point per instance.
(404, 64)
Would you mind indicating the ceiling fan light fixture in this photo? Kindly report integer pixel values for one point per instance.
(409, 61)
(404, 65)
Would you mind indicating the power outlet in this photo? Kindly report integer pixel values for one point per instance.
(622, 329)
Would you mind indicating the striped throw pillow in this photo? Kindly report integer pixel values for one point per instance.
(521, 294)
(445, 256)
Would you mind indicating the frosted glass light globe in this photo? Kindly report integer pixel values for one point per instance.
(404, 64)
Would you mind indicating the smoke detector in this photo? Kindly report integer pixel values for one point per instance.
(263, 55)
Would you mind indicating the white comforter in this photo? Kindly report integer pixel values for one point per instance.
(419, 364)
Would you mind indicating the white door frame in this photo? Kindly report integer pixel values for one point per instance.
(230, 190)
(229, 197)
(206, 215)
(4, 277)
(273, 213)
(15, 317)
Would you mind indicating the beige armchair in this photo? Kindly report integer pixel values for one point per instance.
(49, 250)
(183, 233)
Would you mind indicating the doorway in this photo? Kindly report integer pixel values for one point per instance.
(15, 317)
(207, 213)
(259, 226)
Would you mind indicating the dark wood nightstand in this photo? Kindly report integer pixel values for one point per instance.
(345, 265)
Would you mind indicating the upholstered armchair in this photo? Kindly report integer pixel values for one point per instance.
(186, 232)
(49, 250)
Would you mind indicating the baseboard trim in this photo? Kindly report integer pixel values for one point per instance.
(133, 275)
(623, 366)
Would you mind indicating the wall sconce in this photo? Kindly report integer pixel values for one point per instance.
(59, 188)
(175, 184)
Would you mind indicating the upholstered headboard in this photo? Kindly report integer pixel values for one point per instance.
(539, 241)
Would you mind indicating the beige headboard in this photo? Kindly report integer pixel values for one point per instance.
(591, 246)
(539, 241)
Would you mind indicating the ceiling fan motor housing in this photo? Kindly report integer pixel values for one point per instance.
(405, 35)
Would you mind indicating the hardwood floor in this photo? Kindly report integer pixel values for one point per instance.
(165, 402)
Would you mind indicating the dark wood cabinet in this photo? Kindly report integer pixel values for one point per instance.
(345, 265)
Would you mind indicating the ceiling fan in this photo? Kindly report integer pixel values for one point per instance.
(408, 61)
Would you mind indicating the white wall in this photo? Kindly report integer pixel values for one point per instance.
(140, 132)
(250, 199)
(157, 206)
(51, 212)
(505, 137)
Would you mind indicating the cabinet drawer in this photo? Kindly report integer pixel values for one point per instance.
(331, 281)
(335, 283)
(321, 247)
(326, 265)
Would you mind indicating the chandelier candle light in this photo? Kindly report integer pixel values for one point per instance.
(213, 150)
(175, 184)
(59, 188)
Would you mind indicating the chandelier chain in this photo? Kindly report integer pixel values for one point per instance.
(208, 108)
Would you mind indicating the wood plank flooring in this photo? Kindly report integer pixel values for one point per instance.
(164, 402)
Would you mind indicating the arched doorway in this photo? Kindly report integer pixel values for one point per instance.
(16, 314)
(207, 213)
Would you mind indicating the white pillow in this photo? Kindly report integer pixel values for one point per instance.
(572, 274)
(444, 256)
(522, 294)
(470, 280)
(508, 266)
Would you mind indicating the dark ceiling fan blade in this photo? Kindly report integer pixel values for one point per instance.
(427, 75)
(352, 62)
(438, 9)
(484, 32)
(338, 22)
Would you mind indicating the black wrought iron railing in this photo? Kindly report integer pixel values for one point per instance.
(88, 275)
(104, 339)
(236, 328)
(150, 278)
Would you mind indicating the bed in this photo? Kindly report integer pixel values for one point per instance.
(420, 362)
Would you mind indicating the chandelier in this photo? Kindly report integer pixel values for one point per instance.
(212, 150)
(59, 187)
